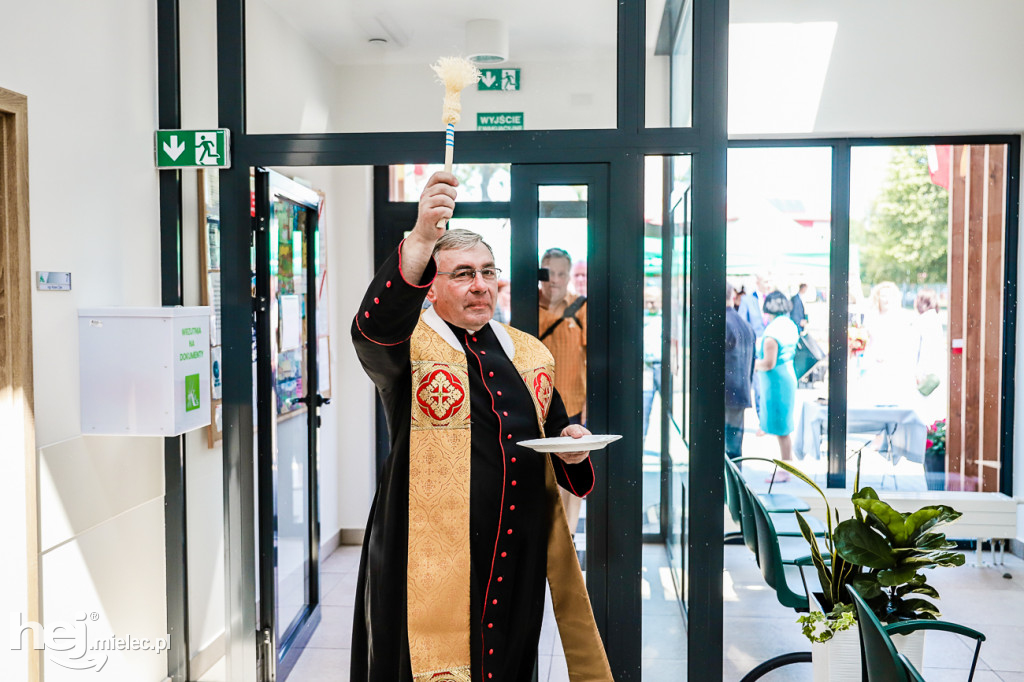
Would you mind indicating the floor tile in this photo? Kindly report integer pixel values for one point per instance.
(321, 665)
(334, 630)
(342, 560)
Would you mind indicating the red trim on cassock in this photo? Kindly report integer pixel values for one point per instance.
(415, 286)
(568, 478)
(379, 343)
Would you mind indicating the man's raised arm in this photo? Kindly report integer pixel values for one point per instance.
(436, 205)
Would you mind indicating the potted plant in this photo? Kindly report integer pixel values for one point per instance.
(882, 553)
(935, 456)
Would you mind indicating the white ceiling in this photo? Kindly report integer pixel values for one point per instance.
(420, 31)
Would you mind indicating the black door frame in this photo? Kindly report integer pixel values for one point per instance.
(279, 656)
(622, 149)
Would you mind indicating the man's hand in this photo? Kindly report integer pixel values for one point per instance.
(574, 431)
(436, 204)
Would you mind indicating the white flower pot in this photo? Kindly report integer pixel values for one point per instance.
(838, 659)
(912, 646)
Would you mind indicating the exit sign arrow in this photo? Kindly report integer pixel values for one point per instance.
(175, 148)
(488, 78)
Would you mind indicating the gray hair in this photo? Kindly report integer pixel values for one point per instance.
(556, 252)
(459, 240)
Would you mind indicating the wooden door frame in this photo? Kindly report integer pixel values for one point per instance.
(16, 331)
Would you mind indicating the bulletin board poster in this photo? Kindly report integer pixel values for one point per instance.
(209, 290)
(323, 304)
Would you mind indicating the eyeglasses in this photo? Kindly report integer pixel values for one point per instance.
(467, 275)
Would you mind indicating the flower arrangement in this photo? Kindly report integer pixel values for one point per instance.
(936, 443)
(857, 339)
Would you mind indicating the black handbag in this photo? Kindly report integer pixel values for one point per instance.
(808, 355)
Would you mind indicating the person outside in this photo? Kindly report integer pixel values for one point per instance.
(931, 370)
(777, 377)
(739, 371)
(890, 351)
(799, 314)
(465, 523)
(579, 277)
(562, 322)
(751, 311)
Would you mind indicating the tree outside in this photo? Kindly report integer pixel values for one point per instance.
(906, 235)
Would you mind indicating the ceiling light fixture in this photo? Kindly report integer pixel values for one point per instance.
(486, 41)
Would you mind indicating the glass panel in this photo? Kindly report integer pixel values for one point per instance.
(477, 181)
(289, 258)
(353, 66)
(669, 96)
(927, 238)
(779, 243)
(664, 453)
(562, 240)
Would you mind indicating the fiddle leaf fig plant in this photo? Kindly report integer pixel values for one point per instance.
(881, 552)
(895, 547)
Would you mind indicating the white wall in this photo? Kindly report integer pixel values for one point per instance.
(89, 71)
(875, 67)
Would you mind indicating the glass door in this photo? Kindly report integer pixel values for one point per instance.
(559, 293)
(287, 260)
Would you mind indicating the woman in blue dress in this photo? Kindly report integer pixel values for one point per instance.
(777, 375)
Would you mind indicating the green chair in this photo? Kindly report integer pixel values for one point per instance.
(785, 522)
(879, 658)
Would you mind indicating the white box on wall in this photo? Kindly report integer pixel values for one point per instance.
(144, 371)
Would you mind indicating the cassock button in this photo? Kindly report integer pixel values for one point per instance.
(366, 313)
(490, 625)
(510, 531)
(376, 300)
(499, 580)
(513, 460)
(505, 413)
(513, 483)
(388, 284)
(494, 601)
(499, 392)
(503, 555)
(483, 352)
(509, 437)
(490, 374)
(491, 652)
(474, 338)
(511, 508)
(489, 675)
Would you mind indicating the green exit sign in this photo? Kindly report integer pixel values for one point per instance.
(500, 121)
(498, 79)
(193, 149)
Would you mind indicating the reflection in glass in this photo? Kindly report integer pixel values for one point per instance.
(779, 244)
(477, 181)
(669, 74)
(926, 273)
(562, 313)
(290, 255)
(355, 67)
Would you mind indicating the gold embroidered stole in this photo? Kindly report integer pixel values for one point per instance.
(438, 569)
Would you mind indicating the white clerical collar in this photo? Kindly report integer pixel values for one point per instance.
(435, 322)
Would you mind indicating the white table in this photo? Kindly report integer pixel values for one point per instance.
(905, 432)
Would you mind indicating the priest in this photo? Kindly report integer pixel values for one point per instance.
(466, 524)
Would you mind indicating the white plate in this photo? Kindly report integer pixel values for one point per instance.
(568, 444)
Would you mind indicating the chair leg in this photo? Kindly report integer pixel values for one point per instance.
(775, 663)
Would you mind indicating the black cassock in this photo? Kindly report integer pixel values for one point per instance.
(506, 493)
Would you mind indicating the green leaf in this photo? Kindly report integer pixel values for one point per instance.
(926, 590)
(867, 493)
(930, 541)
(927, 517)
(918, 608)
(867, 588)
(888, 520)
(824, 574)
(858, 544)
(892, 577)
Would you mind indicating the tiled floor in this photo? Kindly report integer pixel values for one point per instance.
(757, 627)
(326, 657)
